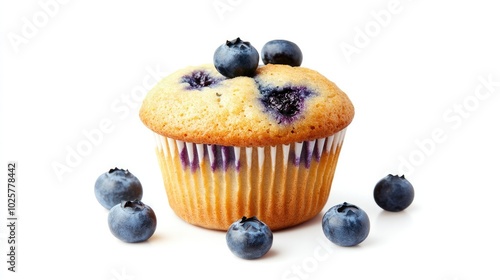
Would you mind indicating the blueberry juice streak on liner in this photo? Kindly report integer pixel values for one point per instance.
(309, 149)
(185, 160)
(224, 157)
(199, 79)
(220, 157)
(286, 103)
(307, 153)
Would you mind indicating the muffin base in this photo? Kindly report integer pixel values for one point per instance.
(212, 186)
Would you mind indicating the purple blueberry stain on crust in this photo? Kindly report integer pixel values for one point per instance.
(199, 79)
(286, 103)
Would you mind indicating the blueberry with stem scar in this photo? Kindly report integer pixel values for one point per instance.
(132, 221)
(116, 185)
(346, 225)
(236, 58)
(393, 193)
(249, 238)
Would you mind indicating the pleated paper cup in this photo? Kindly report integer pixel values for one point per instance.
(212, 186)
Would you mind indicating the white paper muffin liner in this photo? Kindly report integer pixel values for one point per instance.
(212, 186)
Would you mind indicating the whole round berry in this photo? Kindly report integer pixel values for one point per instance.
(346, 225)
(132, 221)
(393, 193)
(116, 185)
(236, 58)
(281, 52)
(249, 238)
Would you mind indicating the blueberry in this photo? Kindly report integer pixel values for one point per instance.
(281, 52)
(116, 185)
(199, 79)
(284, 103)
(393, 193)
(132, 221)
(346, 225)
(236, 58)
(249, 238)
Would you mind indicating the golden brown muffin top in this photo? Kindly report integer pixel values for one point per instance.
(279, 105)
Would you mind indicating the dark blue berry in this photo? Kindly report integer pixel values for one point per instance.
(281, 52)
(393, 193)
(284, 103)
(249, 238)
(132, 221)
(116, 185)
(346, 225)
(199, 79)
(236, 58)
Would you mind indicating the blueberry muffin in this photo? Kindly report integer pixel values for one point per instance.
(264, 146)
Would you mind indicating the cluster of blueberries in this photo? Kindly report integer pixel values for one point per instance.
(239, 58)
(343, 224)
(130, 220)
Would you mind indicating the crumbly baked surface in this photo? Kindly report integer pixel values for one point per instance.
(279, 105)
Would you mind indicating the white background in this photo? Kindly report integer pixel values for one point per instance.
(414, 73)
